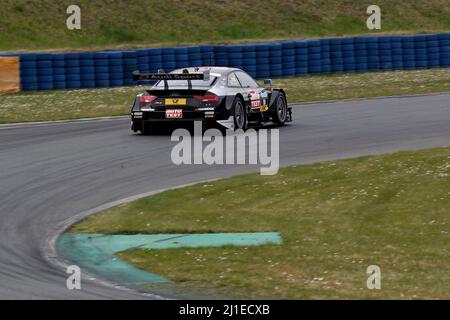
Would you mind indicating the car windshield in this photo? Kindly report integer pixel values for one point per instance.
(184, 83)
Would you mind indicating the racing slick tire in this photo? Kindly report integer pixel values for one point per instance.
(281, 110)
(239, 115)
(147, 128)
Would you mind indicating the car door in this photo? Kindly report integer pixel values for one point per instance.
(258, 95)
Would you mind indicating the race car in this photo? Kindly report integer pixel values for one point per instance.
(227, 96)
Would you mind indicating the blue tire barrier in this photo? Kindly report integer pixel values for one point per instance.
(285, 57)
(361, 59)
(433, 50)
(326, 68)
(167, 51)
(314, 56)
(195, 56)
(144, 60)
(262, 54)
(291, 52)
(45, 78)
(421, 64)
(408, 51)
(100, 62)
(116, 82)
(182, 57)
(44, 63)
(361, 67)
(346, 54)
(276, 73)
(29, 86)
(73, 84)
(349, 60)
(315, 69)
(301, 71)
(87, 84)
(73, 77)
(87, 76)
(59, 85)
(101, 69)
(28, 73)
(115, 62)
(291, 65)
(262, 61)
(72, 63)
(247, 55)
(84, 70)
(72, 70)
(222, 62)
(102, 82)
(116, 69)
(57, 71)
(181, 51)
(196, 63)
(45, 71)
(30, 79)
(277, 54)
(301, 58)
(289, 58)
(301, 51)
(28, 57)
(169, 65)
(72, 56)
(115, 75)
(289, 72)
(87, 63)
(58, 63)
(315, 63)
(301, 64)
(45, 86)
(336, 54)
(59, 78)
(32, 64)
(165, 58)
(314, 50)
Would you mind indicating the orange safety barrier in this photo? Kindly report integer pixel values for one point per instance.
(9, 74)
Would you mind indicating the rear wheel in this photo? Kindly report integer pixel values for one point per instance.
(281, 110)
(147, 128)
(240, 116)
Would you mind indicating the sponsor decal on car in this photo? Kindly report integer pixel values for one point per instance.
(174, 113)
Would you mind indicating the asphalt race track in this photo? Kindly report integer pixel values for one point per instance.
(51, 172)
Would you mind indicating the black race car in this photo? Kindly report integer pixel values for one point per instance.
(227, 96)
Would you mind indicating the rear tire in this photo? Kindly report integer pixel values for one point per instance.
(147, 128)
(281, 110)
(240, 116)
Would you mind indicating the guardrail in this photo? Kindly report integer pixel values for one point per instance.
(45, 71)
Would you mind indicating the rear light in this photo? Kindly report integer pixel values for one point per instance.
(207, 98)
(148, 99)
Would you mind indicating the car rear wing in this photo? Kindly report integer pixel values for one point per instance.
(161, 76)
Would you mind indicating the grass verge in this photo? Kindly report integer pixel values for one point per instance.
(61, 105)
(336, 219)
(31, 25)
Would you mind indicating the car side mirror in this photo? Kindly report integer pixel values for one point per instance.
(268, 82)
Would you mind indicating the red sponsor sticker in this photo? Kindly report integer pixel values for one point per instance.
(174, 113)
